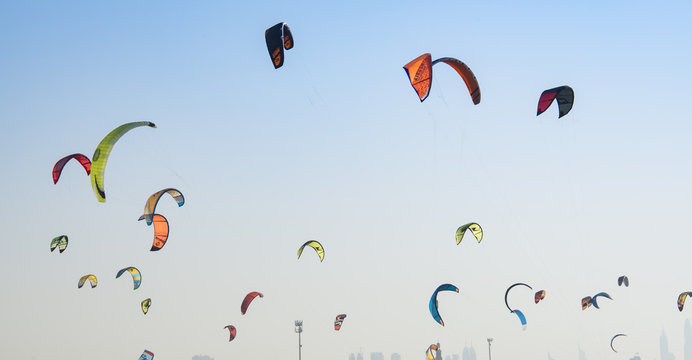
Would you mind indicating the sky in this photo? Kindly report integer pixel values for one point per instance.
(335, 146)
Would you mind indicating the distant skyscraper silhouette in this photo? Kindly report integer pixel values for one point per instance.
(202, 357)
(455, 357)
(636, 357)
(665, 354)
(582, 354)
(469, 353)
(395, 356)
(376, 356)
(359, 356)
(688, 340)
(352, 356)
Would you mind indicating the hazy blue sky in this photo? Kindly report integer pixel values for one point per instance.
(335, 146)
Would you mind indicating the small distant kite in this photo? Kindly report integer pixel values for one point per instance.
(540, 295)
(429, 353)
(232, 330)
(278, 38)
(586, 302)
(475, 230)
(57, 169)
(60, 242)
(248, 299)
(103, 151)
(136, 275)
(510, 288)
(623, 280)
(611, 341)
(521, 317)
(419, 72)
(564, 96)
(92, 279)
(153, 200)
(160, 231)
(146, 303)
(316, 246)
(681, 299)
(339, 320)
(433, 301)
(147, 355)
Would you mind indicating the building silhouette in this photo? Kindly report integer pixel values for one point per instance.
(469, 353)
(376, 356)
(359, 356)
(665, 353)
(582, 354)
(202, 357)
(395, 356)
(636, 357)
(351, 356)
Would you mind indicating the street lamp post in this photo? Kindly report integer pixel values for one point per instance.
(299, 329)
(489, 341)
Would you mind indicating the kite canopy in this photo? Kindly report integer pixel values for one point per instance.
(611, 341)
(339, 321)
(57, 169)
(540, 295)
(92, 279)
(510, 288)
(421, 69)
(146, 303)
(60, 242)
(278, 38)
(232, 330)
(433, 301)
(681, 299)
(601, 294)
(103, 150)
(586, 302)
(248, 299)
(147, 355)
(136, 275)
(429, 353)
(319, 249)
(521, 317)
(564, 96)
(160, 231)
(153, 200)
(623, 280)
(475, 230)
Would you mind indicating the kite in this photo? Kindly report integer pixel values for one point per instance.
(248, 299)
(92, 279)
(60, 242)
(681, 299)
(315, 245)
(595, 303)
(339, 320)
(57, 169)
(103, 150)
(507, 293)
(433, 301)
(278, 38)
(147, 355)
(136, 275)
(586, 302)
(475, 230)
(623, 280)
(153, 200)
(146, 303)
(232, 330)
(540, 295)
(160, 231)
(521, 317)
(564, 96)
(611, 341)
(429, 353)
(421, 69)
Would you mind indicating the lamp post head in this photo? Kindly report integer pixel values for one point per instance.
(299, 326)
